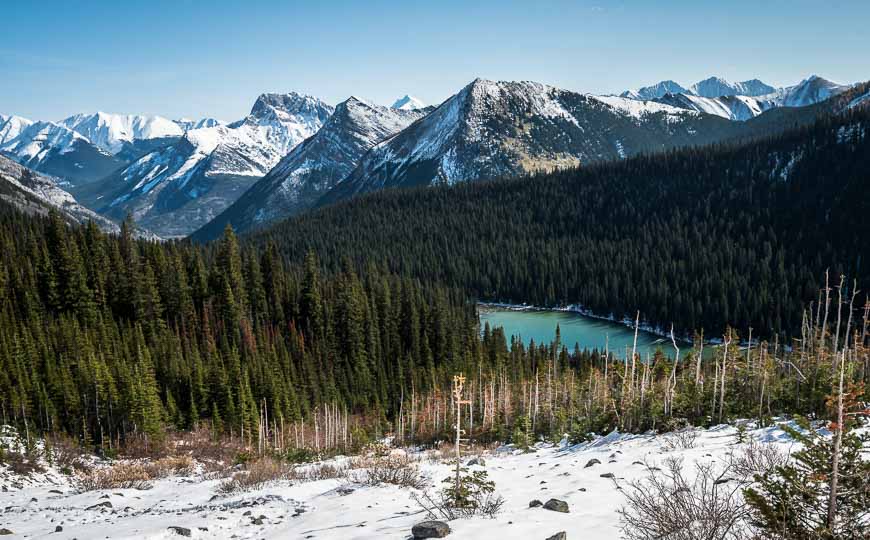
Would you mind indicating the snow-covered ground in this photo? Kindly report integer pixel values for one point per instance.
(336, 509)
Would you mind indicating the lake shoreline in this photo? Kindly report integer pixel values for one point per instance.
(585, 312)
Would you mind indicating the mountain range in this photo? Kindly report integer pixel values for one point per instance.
(293, 152)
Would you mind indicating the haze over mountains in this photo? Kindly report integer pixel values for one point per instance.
(176, 176)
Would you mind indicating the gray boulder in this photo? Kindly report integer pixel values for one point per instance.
(556, 505)
(181, 531)
(430, 529)
(535, 503)
(559, 536)
(591, 462)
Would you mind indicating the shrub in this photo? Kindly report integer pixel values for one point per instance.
(668, 505)
(473, 496)
(683, 439)
(124, 475)
(256, 474)
(398, 470)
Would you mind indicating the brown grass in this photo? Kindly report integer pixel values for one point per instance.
(256, 474)
(134, 474)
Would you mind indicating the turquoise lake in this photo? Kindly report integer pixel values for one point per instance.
(588, 332)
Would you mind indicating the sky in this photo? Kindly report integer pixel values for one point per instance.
(189, 58)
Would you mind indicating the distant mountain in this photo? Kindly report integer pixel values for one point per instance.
(187, 124)
(11, 127)
(655, 91)
(716, 86)
(811, 90)
(743, 100)
(177, 188)
(111, 131)
(34, 193)
(313, 167)
(408, 103)
(57, 150)
(731, 107)
(494, 129)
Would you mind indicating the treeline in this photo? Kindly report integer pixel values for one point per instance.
(700, 238)
(105, 336)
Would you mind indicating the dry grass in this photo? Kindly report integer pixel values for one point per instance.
(256, 474)
(134, 474)
(322, 471)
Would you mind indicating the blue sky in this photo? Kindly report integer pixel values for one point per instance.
(212, 58)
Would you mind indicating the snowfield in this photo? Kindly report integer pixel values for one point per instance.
(338, 509)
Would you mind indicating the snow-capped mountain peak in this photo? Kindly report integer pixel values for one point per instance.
(408, 102)
(714, 87)
(11, 126)
(655, 91)
(111, 131)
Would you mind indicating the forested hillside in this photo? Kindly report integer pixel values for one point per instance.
(726, 234)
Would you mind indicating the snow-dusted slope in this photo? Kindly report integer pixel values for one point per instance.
(494, 129)
(408, 103)
(187, 124)
(717, 86)
(315, 166)
(11, 127)
(178, 188)
(655, 91)
(809, 91)
(32, 192)
(340, 509)
(730, 107)
(111, 131)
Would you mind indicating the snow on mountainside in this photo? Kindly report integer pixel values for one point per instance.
(408, 103)
(811, 90)
(315, 166)
(177, 188)
(494, 129)
(717, 86)
(11, 127)
(655, 91)
(731, 107)
(743, 100)
(34, 193)
(187, 124)
(111, 131)
(56, 150)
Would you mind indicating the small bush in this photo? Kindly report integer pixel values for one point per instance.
(398, 470)
(758, 459)
(683, 439)
(125, 475)
(669, 505)
(314, 473)
(474, 496)
(256, 474)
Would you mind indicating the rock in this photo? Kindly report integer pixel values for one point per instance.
(477, 461)
(257, 521)
(58, 529)
(203, 529)
(248, 513)
(638, 463)
(582, 489)
(344, 490)
(556, 506)
(104, 497)
(559, 536)
(5, 532)
(56, 491)
(430, 529)
(181, 531)
(100, 506)
(591, 462)
(535, 503)
(607, 475)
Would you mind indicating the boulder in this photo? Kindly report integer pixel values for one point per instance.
(535, 503)
(5, 532)
(556, 505)
(100, 506)
(477, 461)
(559, 536)
(607, 475)
(591, 462)
(430, 529)
(181, 531)
(58, 529)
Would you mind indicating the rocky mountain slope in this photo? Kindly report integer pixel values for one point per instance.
(315, 166)
(177, 188)
(35, 193)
